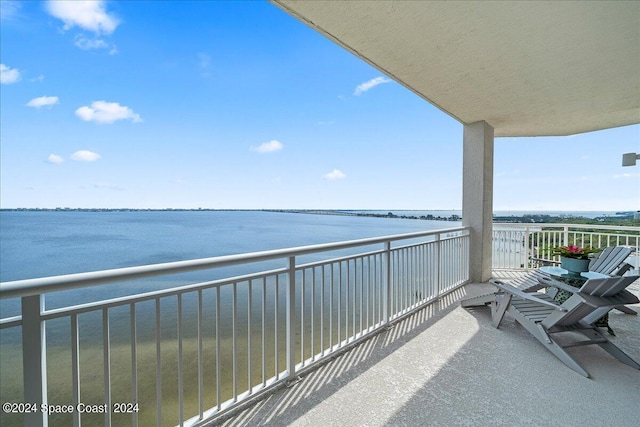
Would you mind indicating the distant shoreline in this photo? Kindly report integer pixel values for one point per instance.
(611, 218)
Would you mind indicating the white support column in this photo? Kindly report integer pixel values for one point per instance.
(477, 197)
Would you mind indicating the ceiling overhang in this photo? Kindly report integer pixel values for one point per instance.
(526, 68)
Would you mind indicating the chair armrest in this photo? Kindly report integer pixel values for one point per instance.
(524, 295)
(623, 298)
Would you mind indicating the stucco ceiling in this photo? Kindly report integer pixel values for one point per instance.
(526, 68)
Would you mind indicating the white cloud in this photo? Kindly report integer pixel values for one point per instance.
(43, 101)
(54, 158)
(9, 75)
(88, 15)
(268, 147)
(362, 88)
(335, 174)
(85, 156)
(107, 112)
(85, 43)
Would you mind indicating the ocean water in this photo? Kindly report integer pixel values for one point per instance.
(38, 244)
(41, 243)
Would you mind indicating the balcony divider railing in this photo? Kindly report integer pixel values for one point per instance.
(188, 354)
(525, 246)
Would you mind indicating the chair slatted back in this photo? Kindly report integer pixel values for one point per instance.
(609, 259)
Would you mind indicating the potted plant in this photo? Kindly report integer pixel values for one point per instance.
(575, 259)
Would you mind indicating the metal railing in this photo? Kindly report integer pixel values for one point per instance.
(526, 245)
(188, 354)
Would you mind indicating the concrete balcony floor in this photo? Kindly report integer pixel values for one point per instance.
(448, 366)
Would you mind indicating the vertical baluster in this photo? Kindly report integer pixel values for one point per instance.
(353, 305)
(291, 317)
(218, 368)
(527, 253)
(75, 366)
(313, 312)
(424, 266)
(322, 309)
(249, 335)
(134, 363)
(416, 274)
(444, 270)
(339, 320)
(346, 302)
(200, 357)
(106, 347)
(357, 293)
(302, 311)
(393, 299)
(277, 327)
(332, 284)
(158, 367)
(264, 331)
(388, 283)
(436, 264)
(361, 289)
(180, 373)
(404, 280)
(401, 281)
(234, 339)
(368, 299)
(379, 288)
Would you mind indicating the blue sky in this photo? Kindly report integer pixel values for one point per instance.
(238, 105)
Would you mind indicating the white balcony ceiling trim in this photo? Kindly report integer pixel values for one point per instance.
(526, 68)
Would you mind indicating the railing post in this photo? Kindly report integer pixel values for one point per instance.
(34, 359)
(387, 280)
(436, 265)
(566, 235)
(291, 320)
(526, 248)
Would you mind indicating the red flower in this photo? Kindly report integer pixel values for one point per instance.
(573, 251)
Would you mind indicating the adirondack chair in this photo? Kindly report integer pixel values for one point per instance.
(543, 318)
(611, 261)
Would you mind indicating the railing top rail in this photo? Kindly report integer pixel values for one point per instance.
(43, 285)
(570, 226)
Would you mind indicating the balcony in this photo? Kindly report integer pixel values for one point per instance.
(296, 332)
(446, 366)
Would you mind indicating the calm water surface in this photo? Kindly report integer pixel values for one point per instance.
(38, 244)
